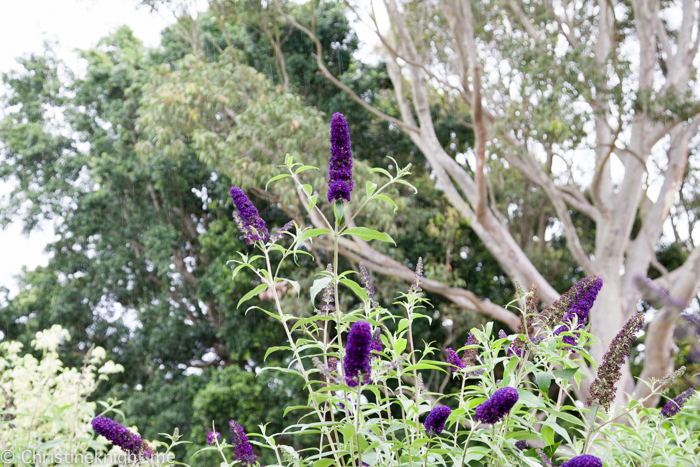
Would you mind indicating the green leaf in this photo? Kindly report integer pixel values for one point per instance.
(252, 294)
(355, 287)
(305, 167)
(400, 345)
(403, 324)
(275, 178)
(312, 202)
(381, 171)
(565, 374)
(371, 187)
(544, 380)
(368, 234)
(275, 349)
(324, 463)
(404, 182)
(388, 200)
(294, 284)
(310, 233)
(319, 284)
(528, 399)
(308, 189)
(348, 432)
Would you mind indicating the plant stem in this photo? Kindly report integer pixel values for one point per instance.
(357, 422)
(653, 445)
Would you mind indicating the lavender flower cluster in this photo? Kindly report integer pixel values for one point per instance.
(340, 182)
(603, 387)
(585, 295)
(357, 354)
(120, 436)
(435, 423)
(674, 406)
(242, 448)
(497, 406)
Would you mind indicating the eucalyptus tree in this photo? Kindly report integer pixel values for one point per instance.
(594, 102)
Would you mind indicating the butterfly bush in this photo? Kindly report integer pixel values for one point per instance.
(364, 366)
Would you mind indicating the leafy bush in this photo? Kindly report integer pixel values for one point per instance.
(44, 406)
(362, 368)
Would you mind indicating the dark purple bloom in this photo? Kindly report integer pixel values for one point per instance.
(554, 314)
(674, 406)
(212, 437)
(502, 334)
(435, 422)
(120, 435)
(340, 168)
(453, 359)
(367, 284)
(415, 287)
(241, 446)
(584, 461)
(603, 387)
(375, 344)
(357, 363)
(522, 444)
(586, 293)
(497, 406)
(251, 218)
(281, 231)
(469, 355)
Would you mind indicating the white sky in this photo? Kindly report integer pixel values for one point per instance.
(74, 24)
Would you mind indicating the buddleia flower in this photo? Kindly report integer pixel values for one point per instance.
(357, 354)
(602, 389)
(454, 360)
(417, 278)
(375, 344)
(496, 407)
(340, 182)
(120, 436)
(328, 297)
(521, 445)
(281, 231)
(241, 446)
(435, 422)
(250, 216)
(586, 460)
(367, 284)
(674, 406)
(586, 293)
(469, 355)
(583, 290)
(212, 437)
(544, 459)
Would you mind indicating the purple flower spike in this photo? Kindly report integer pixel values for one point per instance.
(357, 353)
(212, 437)
(585, 295)
(602, 389)
(454, 360)
(367, 284)
(250, 218)
(497, 406)
(584, 461)
(241, 446)
(340, 168)
(674, 406)
(375, 345)
(435, 422)
(120, 435)
(469, 355)
(522, 445)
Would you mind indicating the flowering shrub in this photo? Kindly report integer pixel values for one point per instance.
(43, 405)
(362, 367)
